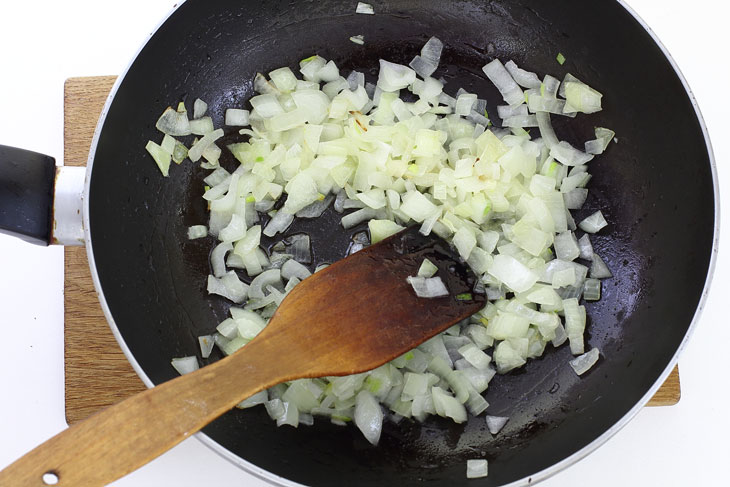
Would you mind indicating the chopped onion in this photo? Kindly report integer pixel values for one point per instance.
(174, 123)
(569, 155)
(358, 39)
(593, 223)
(269, 277)
(197, 231)
(206, 345)
(599, 269)
(496, 423)
(501, 196)
(202, 126)
(546, 129)
(381, 229)
(364, 8)
(592, 290)
(526, 79)
(199, 108)
(583, 363)
(566, 246)
(394, 77)
(476, 469)
(161, 157)
(236, 117)
(185, 365)
(428, 287)
(427, 269)
(501, 78)
(279, 223)
(291, 268)
(586, 248)
(368, 416)
(513, 273)
(228, 286)
(217, 258)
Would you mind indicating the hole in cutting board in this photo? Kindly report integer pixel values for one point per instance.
(50, 478)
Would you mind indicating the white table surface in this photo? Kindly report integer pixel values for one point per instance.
(44, 42)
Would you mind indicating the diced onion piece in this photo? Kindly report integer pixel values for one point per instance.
(604, 137)
(199, 108)
(417, 206)
(381, 229)
(268, 277)
(575, 198)
(364, 8)
(368, 416)
(206, 343)
(447, 405)
(422, 67)
(566, 246)
(266, 105)
(255, 400)
(520, 121)
(427, 269)
(582, 98)
(185, 365)
(161, 157)
(358, 39)
(575, 323)
(475, 357)
(526, 79)
(476, 469)
(279, 223)
(316, 209)
(513, 273)
(357, 217)
(496, 423)
(302, 191)
(229, 286)
(464, 241)
(501, 78)
(291, 268)
(583, 363)
(546, 129)
(569, 155)
(197, 231)
(202, 126)
(593, 223)
(394, 77)
(465, 103)
(428, 287)
(586, 248)
(237, 117)
(507, 111)
(431, 51)
(592, 290)
(217, 258)
(599, 269)
(174, 123)
(196, 151)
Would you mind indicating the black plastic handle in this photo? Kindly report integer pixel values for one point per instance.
(26, 194)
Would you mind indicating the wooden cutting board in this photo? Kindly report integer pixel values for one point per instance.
(97, 372)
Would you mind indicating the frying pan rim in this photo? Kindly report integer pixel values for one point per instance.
(529, 480)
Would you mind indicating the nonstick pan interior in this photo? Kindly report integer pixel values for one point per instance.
(654, 186)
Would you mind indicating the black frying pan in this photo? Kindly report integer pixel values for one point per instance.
(656, 191)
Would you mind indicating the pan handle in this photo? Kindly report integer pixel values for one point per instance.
(39, 202)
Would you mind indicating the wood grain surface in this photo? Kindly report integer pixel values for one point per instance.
(97, 372)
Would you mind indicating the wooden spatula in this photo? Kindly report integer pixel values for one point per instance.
(351, 317)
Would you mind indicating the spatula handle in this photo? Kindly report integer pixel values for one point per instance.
(123, 437)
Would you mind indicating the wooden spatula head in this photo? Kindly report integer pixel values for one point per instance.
(361, 312)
